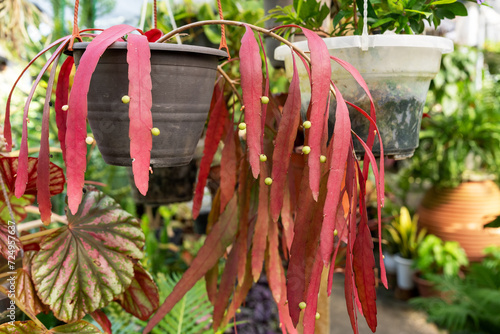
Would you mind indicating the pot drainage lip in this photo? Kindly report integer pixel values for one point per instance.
(165, 47)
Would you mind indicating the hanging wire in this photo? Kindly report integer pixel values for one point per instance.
(364, 35)
(172, 20)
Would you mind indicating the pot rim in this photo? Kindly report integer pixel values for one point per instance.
(444, 45)
(164, 47)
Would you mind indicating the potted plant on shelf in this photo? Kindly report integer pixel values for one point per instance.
(435, 257)
(459, 158)
(263, 206)
(397, 67)
(403, 231)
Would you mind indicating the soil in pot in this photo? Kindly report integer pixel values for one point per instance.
(182, 78)
(459, 214)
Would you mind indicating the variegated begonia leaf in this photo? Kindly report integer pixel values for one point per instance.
(25, 290)
(9, 242)
(29, 327)
(88, 263)
(142, 297)
(8, 169)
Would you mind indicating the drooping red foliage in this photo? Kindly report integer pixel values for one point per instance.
(62, 93)
(141, 101)
(76, 147)
(215, 130)
(251, 86)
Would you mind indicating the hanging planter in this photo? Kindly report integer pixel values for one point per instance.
(397, 69)
(179, 114)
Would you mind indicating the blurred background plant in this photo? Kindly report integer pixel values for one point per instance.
(471, 305)
(402, 234)
(435, 257)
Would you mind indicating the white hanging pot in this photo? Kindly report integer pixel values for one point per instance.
(404, 273)
(397, 69)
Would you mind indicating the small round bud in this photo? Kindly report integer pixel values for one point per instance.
(306, 150)
(335, 232)
(125, 99)
(302, 305)
(263, 157)
(306, 124)
(238, 310)
(89, 140)
(264, 100)
(322, 158)
(65, 107)
(155, 131)
(317, 316)
(242, 126)
(268, 181)
(383, 256)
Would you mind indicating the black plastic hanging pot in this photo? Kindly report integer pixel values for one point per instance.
(182, 78)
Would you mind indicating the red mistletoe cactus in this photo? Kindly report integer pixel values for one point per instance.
(307, 204)
(272, 201)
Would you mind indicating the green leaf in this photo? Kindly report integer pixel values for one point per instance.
(381, 22)
(494, 223)
(29, 327)
(442, 2)
(83, 266)
(457, 8)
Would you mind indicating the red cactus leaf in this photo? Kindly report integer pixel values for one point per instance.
(7, 126)
(153, 35)
(251, 86)
(349, 283)
(43, 170)
(320, 87)
(363, 265)
(9, 242)
(141, 101)
(274, 266)
(379, 179)
(30, 327)
(76, 147)
(62, 93)
(296, 273)
(240, 292)
(244, 192)
(287, 219)
(285, 139)
(215, 130)
(85, 265)
(284, 313)
(221, 236)
(311, 296)
(25, 291)
(102, 319)
(22, 172)
(266, 92)
(339, 148)
(226, 286)
(259, 240)
(142, 298)
(229, 163)
(211, 278)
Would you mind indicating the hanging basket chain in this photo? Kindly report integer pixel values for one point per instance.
(155, 15)
(76, 30)
(223, 42)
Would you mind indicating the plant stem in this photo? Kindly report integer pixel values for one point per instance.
(229, 81)
(40, 234)
(233, 23)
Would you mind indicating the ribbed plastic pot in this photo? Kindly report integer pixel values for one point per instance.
(397, 69)
(182, 78)
(459, 214)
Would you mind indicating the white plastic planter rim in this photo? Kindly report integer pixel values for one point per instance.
(445, 45)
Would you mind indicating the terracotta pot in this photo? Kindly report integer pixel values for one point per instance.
(459, 214)
(425, 288)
